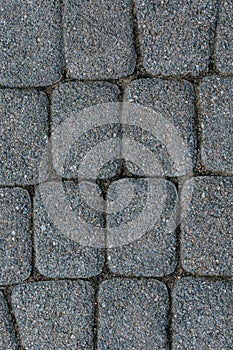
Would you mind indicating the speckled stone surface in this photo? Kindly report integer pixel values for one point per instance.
(99, 39)
(15, 236)
(30, 44)
(7, 333)
(55, 315)
(216, 103)
(23, 136)
(176, 36)
(133, 315)
(206, 226)
(147, 222)
(174, 101)
(202, 315)
(224, 38)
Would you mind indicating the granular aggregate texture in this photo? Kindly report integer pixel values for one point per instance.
(98, 39)
(216, 104)
(7, 333)
(202, 314)
(23, 136)
(133, 315)
(206, 226)
(15, 235)
(176, 37)
(60, 311)
(30, 43)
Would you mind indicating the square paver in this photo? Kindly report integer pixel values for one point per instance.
(141, 216)
(202, 315)
(133, 314)
(85, 128)
(216, 103)
(7, 333)
(30, 44)
(224, 37)
(56, 315)
(69, 229)
(15, 236)
(176, 37)
(158, 133)
(98, 39)
(207, 223)
(23, 136)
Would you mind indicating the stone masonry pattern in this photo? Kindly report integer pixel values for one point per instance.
(169, 286)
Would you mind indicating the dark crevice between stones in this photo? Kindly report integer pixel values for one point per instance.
(213, 41)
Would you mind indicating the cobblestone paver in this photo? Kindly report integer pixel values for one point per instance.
(7, 333)
(202, 315)
(15, 235)
(61, 312)
(133, 315)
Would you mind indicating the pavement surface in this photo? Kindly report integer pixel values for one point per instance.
(116, 175)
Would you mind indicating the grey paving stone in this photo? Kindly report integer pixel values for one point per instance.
(216, 103)
(224, 38)
(7, 334)
(133, 315)
(30, 43)
(141, 237)
(202, 315)
(71, 253)
(23, 136)
(176, 36)
(15, 237)
(99, 39)
(168, 145)
(206, 226)
(55, 315)
(82, 111)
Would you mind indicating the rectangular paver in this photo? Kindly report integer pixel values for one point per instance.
(202, 315)
(7, 333)
(30, 43)
(54, 315)
(99, 39)
(133, 315)
(176, 36)
(15, 236)
(207, 223)
(23, 136)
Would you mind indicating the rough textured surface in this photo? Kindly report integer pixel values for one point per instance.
(30, 44)
(61, 312)
(207, 223)
(176, 36)
(15, 237)
(99, 39)
(216, 102)
(152, 251)
(7, 334)
(224, 45)
(202, 315)
(23, 136)
(133, 315)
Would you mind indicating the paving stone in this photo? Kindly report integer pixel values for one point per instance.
(202, 315)
(72, 246)
(23, 136)
(55, 315)
(216, 103)
(224, 38)
(15, 237)
(159, 135)
(206, 226)
(176, 38)
(86, 128)
(30, 43)
(141, 237)
(7, 334)
(133, 315)
(99, 39)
